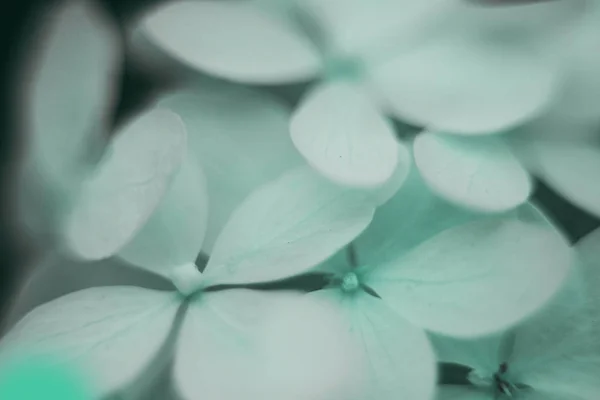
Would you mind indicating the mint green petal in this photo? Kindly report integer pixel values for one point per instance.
(450, 392)
(173, 235)
(462, 83)
(234, 40)
(229, 345)
(69, 90)
(111, 333)
(413, 215)
(477, 278)
(239, 137)
(287, 227)
(369, 29)
(119, 197)
(397, 358)
(42, 379)
(570, 168)
(480, 173)
(343, 135)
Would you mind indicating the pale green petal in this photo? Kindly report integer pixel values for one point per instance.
(234, 40)
(477, 278)
(173, 235)
(451, 392)
(571, 168)
(463, 84)
(397, 358)
(70, 88)
(344, 136)
(112, 333)
(287, 227)
(480, 173)
(119, 197)
(240, 139)
(411, 216)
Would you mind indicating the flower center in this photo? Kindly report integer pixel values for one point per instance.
(350, 282)
(344, 68)
(187, 279)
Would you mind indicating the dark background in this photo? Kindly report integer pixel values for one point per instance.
(17, 23)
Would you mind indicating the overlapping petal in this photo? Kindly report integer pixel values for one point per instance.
(128, 184)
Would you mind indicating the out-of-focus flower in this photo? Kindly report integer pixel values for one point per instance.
(85, 202)
(438, 268)
(281, 229)
(553, 355)
(491, 84)
(340, 127)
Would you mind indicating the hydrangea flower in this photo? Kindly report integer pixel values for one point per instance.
(65, 117)
(425, 265)
(514, 80)
(553, 355)
(340, 127)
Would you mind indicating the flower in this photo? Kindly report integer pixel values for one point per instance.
(340, 127)
(423, 264)
(552, 355)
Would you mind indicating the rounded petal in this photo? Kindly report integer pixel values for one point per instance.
(571, 168)
(69, 92)
(287, 227)
(397, 358)
(344, 136)
(119, 197)
(480, 173)
(240, 344)
(111, 333)
(174, 233)
(240, 139)
(468, 86)
(234, 40)
(479, 277)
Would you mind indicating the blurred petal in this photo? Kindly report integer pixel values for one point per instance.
(398, 357)
(287, 227)
(571, 168)
(173, 235)
(111, 333)
(234, 40)
(344, 136)
(239, 137)
(465, 85)
(477, 278)
(413, 215)
(235, 345)
(118, 198)
(480, 173)
(450, 392)
(70, 91)
(57, 276)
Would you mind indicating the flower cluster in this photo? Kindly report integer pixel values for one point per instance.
(399, 182)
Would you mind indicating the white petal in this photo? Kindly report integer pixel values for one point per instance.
(233, 40)
(479, 277)
(235, 344)
(112, 333)
(466, 86)
(344, 136)
(398, 359)
(71, 85)
(118, 198)
(240, 138)
(480, 173)
(287, 227)
(173, 235)
(571, 168)
(57, 276)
